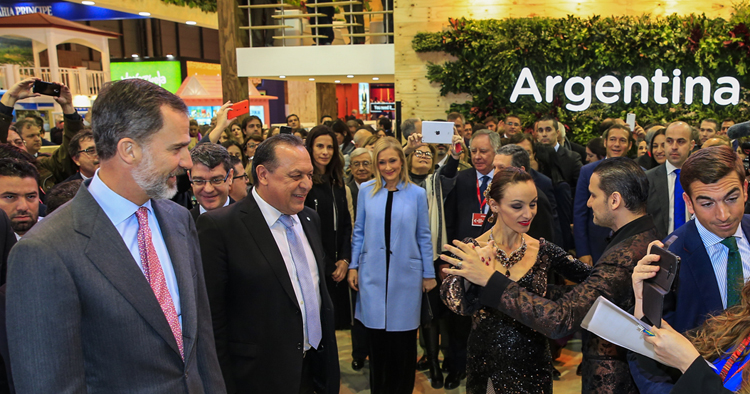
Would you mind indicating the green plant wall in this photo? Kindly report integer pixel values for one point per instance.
(491, 54)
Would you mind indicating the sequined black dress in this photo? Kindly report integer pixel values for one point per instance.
(505, 356)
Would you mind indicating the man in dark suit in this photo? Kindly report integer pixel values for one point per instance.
(211, 177)
(714, 251)
(665, 191)
(108, 295)
(7, 240)
(590, 238)
(563, 164)
(543, 225)
(264, 263)
(465, 212)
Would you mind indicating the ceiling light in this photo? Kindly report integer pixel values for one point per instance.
(311, 79)
(169, 55)
(87, 2)
(191, 22)
(282, 76)
(337, 81)
(350, 76)
(375, 78)
(134, 55)
(144, 13)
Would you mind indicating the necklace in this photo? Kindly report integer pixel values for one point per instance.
(513, 259)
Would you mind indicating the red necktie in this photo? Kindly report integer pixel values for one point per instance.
(155, 276)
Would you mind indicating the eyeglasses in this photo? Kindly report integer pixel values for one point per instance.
(420, 153)
(512, 124)
(360, 164)
(251, 146)
(253, 126)
(90, 151)
(214, 181)
(243, 176)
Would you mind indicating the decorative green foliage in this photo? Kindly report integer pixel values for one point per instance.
(204, 5)
(491, 54)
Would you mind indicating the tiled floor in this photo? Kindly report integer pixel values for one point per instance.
(357, 381)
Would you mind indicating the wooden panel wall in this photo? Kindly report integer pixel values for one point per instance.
(302, 100)
(326, 95)
(420, 98)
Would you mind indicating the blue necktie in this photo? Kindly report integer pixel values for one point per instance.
(309, 296)
(679, 203)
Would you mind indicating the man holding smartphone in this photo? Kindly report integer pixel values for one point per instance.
(57, 167)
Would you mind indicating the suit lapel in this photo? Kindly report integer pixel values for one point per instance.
(255, 223)
(108, 252)
(663, 190)
(313, 238)
(175, 236)
(701, 268)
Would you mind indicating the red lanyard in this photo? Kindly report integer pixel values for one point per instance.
(733, 359)
(482, 201)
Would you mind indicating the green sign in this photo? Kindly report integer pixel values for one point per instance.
(164, 74)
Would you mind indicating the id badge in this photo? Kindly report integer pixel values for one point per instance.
(477, 219)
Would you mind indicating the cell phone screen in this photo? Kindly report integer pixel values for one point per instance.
(46, 88)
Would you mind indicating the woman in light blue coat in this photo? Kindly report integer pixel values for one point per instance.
(392, 265)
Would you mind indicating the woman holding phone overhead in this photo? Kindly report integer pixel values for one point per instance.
(392, 265)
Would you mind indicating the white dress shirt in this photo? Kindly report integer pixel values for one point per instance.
(271, 215)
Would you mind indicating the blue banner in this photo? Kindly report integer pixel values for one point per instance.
(64, 10)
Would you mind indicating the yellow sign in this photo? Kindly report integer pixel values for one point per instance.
(199, 68)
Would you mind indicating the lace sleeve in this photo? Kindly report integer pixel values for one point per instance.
(459, 295)
(565, 264)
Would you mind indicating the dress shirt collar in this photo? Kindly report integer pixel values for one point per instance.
(270, 213)
(116, 207)
(480, 175)
(710, 239)
(670, 167)
(557, 146)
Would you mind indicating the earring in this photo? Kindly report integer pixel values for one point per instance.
(492, 217)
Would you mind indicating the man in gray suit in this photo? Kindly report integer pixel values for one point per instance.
(665, 202)
(107, 295)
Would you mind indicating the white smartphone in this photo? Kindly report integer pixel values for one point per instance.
(630, 120)
(437, 132)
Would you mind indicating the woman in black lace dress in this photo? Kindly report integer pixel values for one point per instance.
(504, 356)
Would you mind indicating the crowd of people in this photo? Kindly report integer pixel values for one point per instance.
(172, 258)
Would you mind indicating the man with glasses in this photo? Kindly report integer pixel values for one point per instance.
(512, 125)
(211, 177)
(83, 152)
(240, 180)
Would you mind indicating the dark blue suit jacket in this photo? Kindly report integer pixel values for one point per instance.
(697, 291)
(590, 238)
(696, 297)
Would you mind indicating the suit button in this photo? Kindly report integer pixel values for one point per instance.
(299, 346)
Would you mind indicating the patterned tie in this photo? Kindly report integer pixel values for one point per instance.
(155, 276)
(485, 179)
(679, 203)
(735, 276)
(309, 296)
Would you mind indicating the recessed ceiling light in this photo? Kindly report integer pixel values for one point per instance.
(337, 81)
(311, 79)
(350, 76)
(134, 55)
(375, 78)
(282, 76)
(144, 13)
(169, 55)
(87, 2)
(191, 22)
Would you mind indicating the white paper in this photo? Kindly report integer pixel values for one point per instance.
(608, 321)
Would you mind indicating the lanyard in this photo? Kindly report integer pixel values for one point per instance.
(733, 358)
(482, 201)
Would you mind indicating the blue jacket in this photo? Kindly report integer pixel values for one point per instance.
(398, 307)
(590, 238)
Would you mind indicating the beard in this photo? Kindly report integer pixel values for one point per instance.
(21, 228)
(156, 185)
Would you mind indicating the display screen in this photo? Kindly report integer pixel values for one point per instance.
(166, 74)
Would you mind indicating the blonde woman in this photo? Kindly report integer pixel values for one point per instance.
(392, 265)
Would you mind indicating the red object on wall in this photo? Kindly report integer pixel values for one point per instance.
(347, 95)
